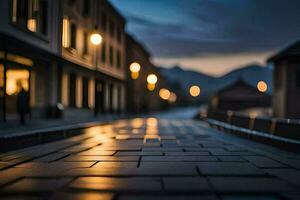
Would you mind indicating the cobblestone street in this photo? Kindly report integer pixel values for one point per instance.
(150, 159)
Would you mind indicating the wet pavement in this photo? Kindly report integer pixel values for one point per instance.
(150, 159)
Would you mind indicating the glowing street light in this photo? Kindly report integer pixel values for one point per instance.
(164, 93)
(195, 91)
(135, 67)
(135, 70)
(152, 79)
(262, 86)
(172, 98)
(96, 39)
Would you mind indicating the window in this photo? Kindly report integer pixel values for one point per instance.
(103, 53)
(66, 33)
(31, 15)
(85, 43)
(85, 92)
(111, 56)
(86, 7)
(298, 79)
(72, 90)
(104, 22)
(112, 28)
(119, 35)
(73, 36)
(118, 59)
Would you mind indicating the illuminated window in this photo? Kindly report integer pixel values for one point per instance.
(66, 33)
(31, 15)
(91, 93)
(15, 80)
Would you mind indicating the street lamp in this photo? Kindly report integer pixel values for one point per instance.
(135, 69)
(151, 80)
(96, 40)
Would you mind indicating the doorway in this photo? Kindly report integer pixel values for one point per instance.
(99, 97)
(16, 79)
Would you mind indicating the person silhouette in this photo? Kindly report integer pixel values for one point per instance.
(22, 104)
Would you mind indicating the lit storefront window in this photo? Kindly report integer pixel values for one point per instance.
(15, 79)
(31, 25)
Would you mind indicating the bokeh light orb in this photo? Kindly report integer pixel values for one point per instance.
(152, 79)
(164, 93)
(195, 91)
(172, 98)
(262, 86)
(135, 67)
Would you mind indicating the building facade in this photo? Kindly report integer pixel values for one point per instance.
(286, 76)
(45, 49)
(29, 49)
(240, 96)
(93, 78)
(139, 98)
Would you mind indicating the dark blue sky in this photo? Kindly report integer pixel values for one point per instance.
(213, 36)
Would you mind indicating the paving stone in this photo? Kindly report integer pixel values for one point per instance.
(290, 196)
(249, 184)
(93, 152)
(133, 171)
(290, 175)
(52, 157)
(117, 184)
(201, 153)
(232, 158)
(231, 153)
(101, 158)
(21, 197)
(138, 153)
(82, 196)
(178, 158)
(115, 165)
(264, 162)
(36, 185)
(195, 149)
(55, 165)
(249, 197)
(228, 168)
(160, 149)
(165, 197)
(186, 184)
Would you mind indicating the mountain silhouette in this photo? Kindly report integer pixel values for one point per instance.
(209, 85)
